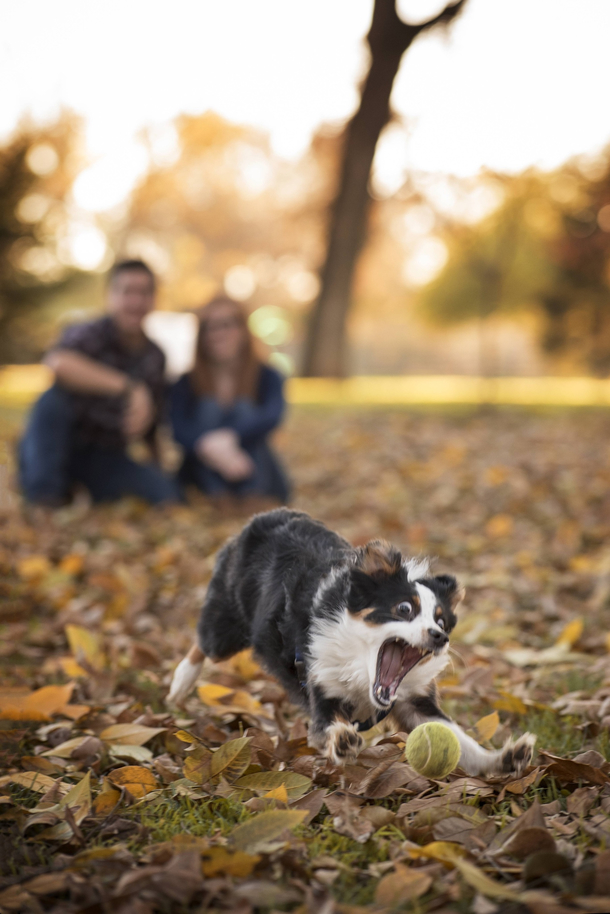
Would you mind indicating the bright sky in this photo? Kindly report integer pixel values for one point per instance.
(515, 83)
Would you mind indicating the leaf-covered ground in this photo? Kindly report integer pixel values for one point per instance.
(111, 801)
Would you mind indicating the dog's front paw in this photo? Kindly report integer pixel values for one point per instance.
(516, 756)
(343, 742)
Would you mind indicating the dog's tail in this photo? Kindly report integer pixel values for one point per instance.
(186, 675)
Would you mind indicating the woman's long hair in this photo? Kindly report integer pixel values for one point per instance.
(249, 365)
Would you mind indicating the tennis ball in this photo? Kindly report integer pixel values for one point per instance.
(433, 750)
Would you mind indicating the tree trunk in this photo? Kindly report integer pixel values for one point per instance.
(388, 39)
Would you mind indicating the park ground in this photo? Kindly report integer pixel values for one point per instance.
(109, 800)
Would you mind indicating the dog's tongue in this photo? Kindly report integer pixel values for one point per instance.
(391, 662)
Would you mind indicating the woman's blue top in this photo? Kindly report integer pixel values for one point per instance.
(192, 416)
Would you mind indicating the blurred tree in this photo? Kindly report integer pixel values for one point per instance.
(388, 39)
(37, 168)
(223, 212)
(546, 251)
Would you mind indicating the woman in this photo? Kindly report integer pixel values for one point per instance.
(224, 409)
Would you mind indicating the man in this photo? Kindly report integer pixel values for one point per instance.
(108, 391)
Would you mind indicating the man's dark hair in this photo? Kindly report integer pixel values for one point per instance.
(131, 266)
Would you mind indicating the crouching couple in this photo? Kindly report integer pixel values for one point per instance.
(110, 390)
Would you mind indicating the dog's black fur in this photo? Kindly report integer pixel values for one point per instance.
(286, 580)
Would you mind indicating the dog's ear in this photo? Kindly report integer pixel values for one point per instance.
(450, 590)
(361, 591)
(378, 557)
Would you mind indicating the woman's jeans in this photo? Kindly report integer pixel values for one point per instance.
(269, 478)
(51, 461)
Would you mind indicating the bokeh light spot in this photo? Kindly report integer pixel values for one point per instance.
(271, 324)
(239, 282)
(603, 218)
(282, 362)
(32, 208)
(42, 159)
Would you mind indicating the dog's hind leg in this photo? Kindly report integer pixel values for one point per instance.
(514, 756)
(186, 675)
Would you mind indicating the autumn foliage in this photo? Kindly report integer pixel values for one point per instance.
(111, 799)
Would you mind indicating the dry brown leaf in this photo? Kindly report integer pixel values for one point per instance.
(401, 886)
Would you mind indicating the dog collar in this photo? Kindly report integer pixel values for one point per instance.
(299, 665)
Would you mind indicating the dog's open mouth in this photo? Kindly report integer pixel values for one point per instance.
(395, 659)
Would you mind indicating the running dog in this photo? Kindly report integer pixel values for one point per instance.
(352, 634)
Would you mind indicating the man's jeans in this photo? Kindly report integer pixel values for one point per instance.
(50, 461)
(269, 478)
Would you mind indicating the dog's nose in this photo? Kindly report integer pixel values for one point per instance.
(437, 637)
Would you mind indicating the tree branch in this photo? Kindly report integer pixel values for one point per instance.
(386, 20)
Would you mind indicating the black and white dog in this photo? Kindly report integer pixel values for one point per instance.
(351, 634)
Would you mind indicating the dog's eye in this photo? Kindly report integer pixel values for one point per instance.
(405, 609)
(441, 623)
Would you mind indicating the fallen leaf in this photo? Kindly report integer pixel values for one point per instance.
(487, 726)
(129, 734)
(86, 646)
(402, 885)
(296, 785)
(264, 829)
(230, 760)
(137, 780)
(571, 633)
(217, 860)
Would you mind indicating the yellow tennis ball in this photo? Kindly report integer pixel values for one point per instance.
(433, 750)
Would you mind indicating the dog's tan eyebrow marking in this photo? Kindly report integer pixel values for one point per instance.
(363, 616)
(365, 613)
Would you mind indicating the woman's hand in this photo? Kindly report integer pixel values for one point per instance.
(220, 450)
(139, 411)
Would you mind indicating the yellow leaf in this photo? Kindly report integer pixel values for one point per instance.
(481, 882)
(137, 780)
(85, 645)
(230, 760)
(232, 701)
(211, 694)
(197, 765)
(72, 564)
(186, 737)
(582, 564)
(445, 851)
(16, 704)
(487, 726)
(295, 785)
(278, 793)
(106, 801)
(510, 703)
(129, 734)
(71, 668)
(75, 711)
(264, 829)
(402, 885)
(34, 567)
(500, 525)
(78, 800)
(245, 665)
(218, 860)
(571, 633)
